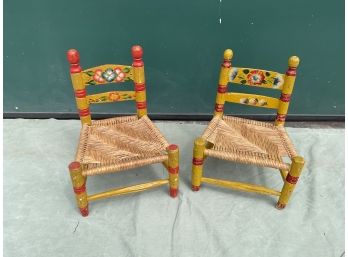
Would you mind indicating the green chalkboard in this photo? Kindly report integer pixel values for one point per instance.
(183, 43)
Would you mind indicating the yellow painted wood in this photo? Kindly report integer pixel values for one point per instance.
(256, 77)
(223, 79)
(253, 100)
(78, 181)
(173, 164)
(81, 103)
(140, 96)
(111, 96)
(108, 73)
(127, 190)
(283, 173)
(289, 82)
(197, 169)
(139, 75)
(295, 172)
(240, 186)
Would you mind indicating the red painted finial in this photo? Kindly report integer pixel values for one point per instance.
(137, 53)
(73, 57)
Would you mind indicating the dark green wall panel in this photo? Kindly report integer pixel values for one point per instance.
(183, 44)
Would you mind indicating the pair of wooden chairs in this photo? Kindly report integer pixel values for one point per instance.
(123, 143)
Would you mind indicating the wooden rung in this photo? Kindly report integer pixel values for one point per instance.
(283, 173)
(241, 186)
(127, 190)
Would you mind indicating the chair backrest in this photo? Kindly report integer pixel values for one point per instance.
(105, 74)
(256, 78)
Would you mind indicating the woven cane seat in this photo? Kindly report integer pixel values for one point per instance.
(120, 143)
(248, 141)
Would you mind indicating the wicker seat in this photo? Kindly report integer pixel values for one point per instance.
(120, 143)
(249, 141)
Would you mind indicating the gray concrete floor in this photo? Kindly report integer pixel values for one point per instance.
(41, 218)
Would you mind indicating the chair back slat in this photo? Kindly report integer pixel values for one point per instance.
(105, 74)
(108, 73)
(111, 96)
(252, 100)
(256, 78)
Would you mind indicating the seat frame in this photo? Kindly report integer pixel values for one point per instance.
(77, 170)
(201, 147)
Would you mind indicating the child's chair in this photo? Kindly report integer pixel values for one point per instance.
(121, 143)
(248, 141)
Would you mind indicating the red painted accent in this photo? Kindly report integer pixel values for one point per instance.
(173, 170)
(84, 112)
(74, 166)
(139, 87)
(285, 97)
(291, 72)
(141, 105)
(81, 189)
(195, 188)
(196, 161)
(291, 179)
(226, 63)
(173, 192)
(222, 89)
(84, 211)
(137, 53)
(219, 107)
(172, 147)
(81, 93)
(73, 57)
(281, 117)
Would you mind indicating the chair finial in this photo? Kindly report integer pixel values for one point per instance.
(137, 52)
(294, 61)
(73, 56)
(228, 54)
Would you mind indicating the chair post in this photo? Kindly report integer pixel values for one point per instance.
(173, 169)
(139, 80)
(79, 185)
(73, 57)
(290, 181)
(197, 163)
(288, 86)
(223, 81)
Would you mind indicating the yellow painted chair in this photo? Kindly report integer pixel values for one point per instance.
(248, 141)
(121, 143)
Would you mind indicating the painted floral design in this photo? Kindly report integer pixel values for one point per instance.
(253, 101)
(256, 77)
(113, 96)
(278, 81)
(109, 75)
(119, 74)
(233, 73)
(98, 76)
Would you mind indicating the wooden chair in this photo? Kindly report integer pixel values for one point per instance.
(248, 141)
(121, 143)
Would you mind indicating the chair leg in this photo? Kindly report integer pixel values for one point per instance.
(290, 181)
(79, 185)
(197, 163)
(173, 169)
